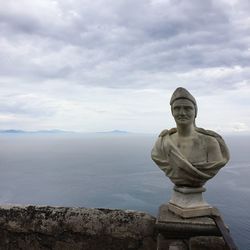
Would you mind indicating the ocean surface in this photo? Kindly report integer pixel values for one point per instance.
(114, 171)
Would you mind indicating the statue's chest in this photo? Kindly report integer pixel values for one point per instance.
(194, 149)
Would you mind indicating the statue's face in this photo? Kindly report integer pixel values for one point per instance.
(183, 111)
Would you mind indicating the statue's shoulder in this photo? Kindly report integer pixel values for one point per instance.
(208, 132)
(213, 135)
(167, 132)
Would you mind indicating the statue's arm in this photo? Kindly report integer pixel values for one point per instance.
(158, 155)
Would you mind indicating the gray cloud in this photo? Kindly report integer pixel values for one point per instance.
(28, 105)
(108, 43)
(75, 58)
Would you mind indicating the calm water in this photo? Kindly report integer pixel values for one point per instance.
(114, 172)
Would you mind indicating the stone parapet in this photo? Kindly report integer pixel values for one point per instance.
(61, 228)
(66, 228)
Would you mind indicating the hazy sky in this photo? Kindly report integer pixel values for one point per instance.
(95, 65)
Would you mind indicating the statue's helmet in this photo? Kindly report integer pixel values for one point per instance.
(182, 93)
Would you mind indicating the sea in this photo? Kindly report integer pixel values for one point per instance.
(114, 171)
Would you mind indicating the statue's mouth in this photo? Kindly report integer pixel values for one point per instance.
(183, 118)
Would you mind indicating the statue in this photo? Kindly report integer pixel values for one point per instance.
(189, 156)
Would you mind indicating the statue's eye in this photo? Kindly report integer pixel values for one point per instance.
(188, 108)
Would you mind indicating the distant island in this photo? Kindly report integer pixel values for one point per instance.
(114, 132)
(12, 131)
(16, 131)
(58, 131)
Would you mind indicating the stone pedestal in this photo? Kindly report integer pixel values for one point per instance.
(177, 233)
(173, 226)
(188, 202)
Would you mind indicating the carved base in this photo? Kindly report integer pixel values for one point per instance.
(188, 202)
(190, 212)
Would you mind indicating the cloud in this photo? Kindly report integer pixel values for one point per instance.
(101, 42)
(57, 56)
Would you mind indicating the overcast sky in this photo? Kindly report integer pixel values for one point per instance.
(99, 65)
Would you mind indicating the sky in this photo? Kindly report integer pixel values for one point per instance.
(100, 65)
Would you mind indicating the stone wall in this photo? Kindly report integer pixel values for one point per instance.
(61, 228)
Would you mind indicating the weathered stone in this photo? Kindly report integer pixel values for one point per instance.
(189, 156)
(43, 227)
(188, 202)
(207, 243)
(175, 227)
(171, 244)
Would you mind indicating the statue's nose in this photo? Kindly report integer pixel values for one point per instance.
(182, 111)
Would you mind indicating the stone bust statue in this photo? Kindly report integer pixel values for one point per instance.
(188, 155)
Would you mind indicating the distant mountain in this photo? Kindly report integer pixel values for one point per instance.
(58, 131)
(116, 131)
(14, 131)
(52, 131)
